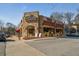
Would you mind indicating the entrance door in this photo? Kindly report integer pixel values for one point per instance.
(30, 31)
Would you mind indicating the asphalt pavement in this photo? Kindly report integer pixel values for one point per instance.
(41, 47)
(2, 48)
(56, 47)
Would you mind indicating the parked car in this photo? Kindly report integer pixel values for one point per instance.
(7, 34)
(2, 36)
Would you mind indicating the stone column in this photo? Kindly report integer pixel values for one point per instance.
(76, 31)
(36, 32)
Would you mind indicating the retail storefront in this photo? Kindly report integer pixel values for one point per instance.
(35, 25)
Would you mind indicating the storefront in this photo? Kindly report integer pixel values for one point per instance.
(35, 25)
(75, 29)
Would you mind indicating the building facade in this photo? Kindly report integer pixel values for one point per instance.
(35, 25)
(73, 29)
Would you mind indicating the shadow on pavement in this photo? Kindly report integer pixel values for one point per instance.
(9, 40)
(3, 46)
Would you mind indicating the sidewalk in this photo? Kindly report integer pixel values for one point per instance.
(13, 38)
(43, 38)
(19, 48)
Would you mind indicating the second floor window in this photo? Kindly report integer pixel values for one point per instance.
(31, 17)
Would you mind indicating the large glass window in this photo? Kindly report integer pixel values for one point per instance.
(72, 30)
(31, 30)
(31, 17)
(46, 29)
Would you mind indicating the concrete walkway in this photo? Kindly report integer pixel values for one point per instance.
(18, 48)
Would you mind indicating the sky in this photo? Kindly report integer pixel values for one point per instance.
(13, 12)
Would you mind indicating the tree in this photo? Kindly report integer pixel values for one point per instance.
(1, 25)
(10, 25)
(68, 16)
(11, 28)
(57, 16)
(76, 18)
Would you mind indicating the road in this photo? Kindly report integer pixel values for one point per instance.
(2, 49)
(19, 48)
(59, 47)
(44, 47)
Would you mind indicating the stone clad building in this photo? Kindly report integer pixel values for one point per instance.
(35, 25)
